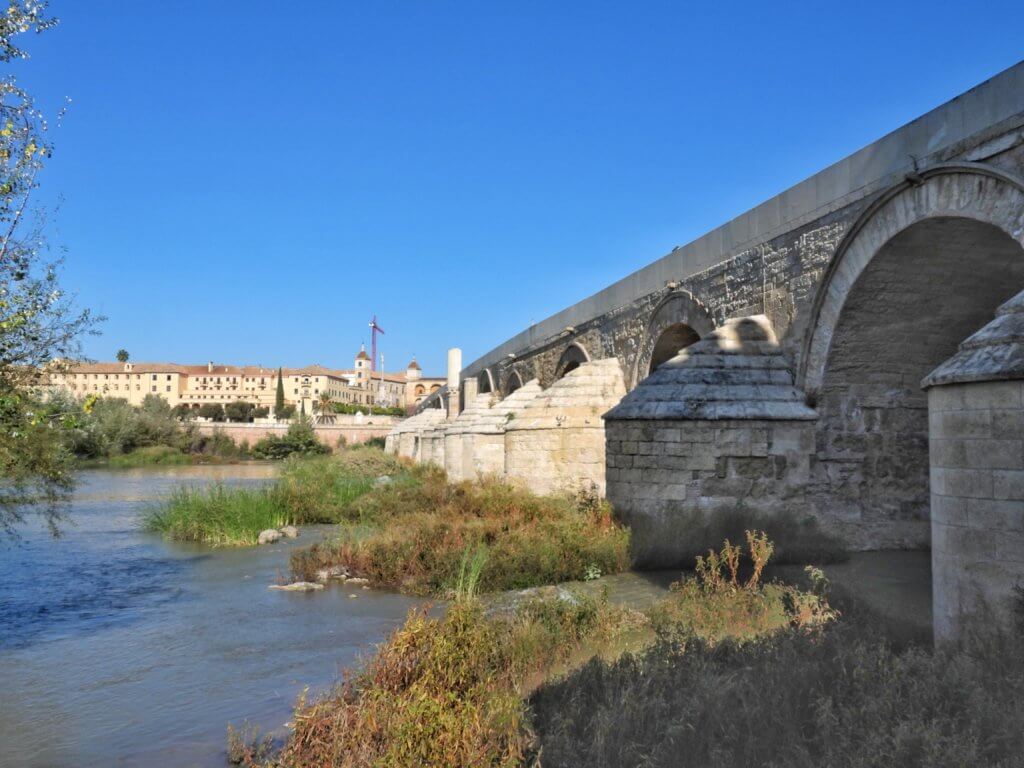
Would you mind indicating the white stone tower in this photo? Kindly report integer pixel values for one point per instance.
(362, 367)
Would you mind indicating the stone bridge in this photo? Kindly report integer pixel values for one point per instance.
(776, 363)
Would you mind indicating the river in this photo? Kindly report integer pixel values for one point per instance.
(120, 649)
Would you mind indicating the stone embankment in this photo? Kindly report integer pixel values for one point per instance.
(346, 429)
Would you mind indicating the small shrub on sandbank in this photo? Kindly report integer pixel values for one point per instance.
(411, 536)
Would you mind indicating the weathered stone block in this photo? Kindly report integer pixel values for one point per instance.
(994, 454)
(1008, 484)
(966, 483)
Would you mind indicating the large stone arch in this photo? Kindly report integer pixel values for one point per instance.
(966, 190)
(922, 269)
(572, 357)
(678, 316)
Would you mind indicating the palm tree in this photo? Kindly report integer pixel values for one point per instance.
(323, 405)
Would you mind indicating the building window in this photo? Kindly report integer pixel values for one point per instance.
(168, 387)
(153, 388)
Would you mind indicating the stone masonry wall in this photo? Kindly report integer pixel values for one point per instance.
(556, 459)
(483, 454)
(328, 434)
(977, 468)
(665, 478)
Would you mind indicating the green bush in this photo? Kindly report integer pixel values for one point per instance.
(217, 444)
(212, 411)
(112, 427)
(300, 439)
(182, 411)
(368, 410)
(239, 410)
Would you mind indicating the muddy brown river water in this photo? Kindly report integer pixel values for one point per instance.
(121, 649)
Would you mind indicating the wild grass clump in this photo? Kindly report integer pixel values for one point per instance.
(726, 598)
(309, 491)
(411, 536)
(218, 515)
(247, 746)
(151, 455)
(322, 489)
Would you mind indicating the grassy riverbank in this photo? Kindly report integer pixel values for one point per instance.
(726, 671)
(454, 690)
(309, 490)
(411, 536)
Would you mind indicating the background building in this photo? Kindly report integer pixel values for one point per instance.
(197, 385)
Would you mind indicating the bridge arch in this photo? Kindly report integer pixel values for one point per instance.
(572, 358)
(485, 381)
(922, 269)
(513, 382)
(677, 321)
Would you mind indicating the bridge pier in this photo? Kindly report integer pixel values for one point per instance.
(718, 428)
(976, 419)
(557, 442)
(483, 434)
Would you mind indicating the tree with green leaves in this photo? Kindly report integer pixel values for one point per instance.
(212, 411)
(40, 329)
(240, 410)
(122, 355)
(279, 399)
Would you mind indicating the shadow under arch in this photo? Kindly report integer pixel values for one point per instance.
(572, 358)
(679, 317)
(485, 381)
(924, 267)
(513, 382)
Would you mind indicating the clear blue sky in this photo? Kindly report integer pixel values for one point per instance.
(249, 182)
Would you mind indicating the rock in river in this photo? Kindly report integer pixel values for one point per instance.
(268, 536)
(298, 586)
(290, 532)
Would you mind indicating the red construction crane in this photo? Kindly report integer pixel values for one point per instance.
(374, 330)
